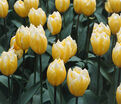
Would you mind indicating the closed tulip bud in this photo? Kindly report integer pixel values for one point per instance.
(23, 37)
(77, 7)
(88, 7)
(108, 7)
(115, 5)
(54, 23)
(119, 36)
(38, 40)
(100, 43)
(3, 8)
(62, 5)
(77, 81)
(100, 28)
(56, 72)
(8, 63)
(118, 94)
(116, 55)
(31, 4)
(114, 22)
(20, 9)
(37, 17)
(65, 49)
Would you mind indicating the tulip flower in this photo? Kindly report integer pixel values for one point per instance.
(118, 94)
(119, 36)
(20, 9)
(8, 63)
(116, 55)
(100, 43)
(65, 49)
(77, 7)
(62, 5)
(37, 17)
(88, 7)
(113, 6)
(3, 8)
(114, 22)
(108, 7)
(100, 28)
(54, 23)
(56, 72)
(78, 81)
(38, 40)
(23, 37)
(31, 4)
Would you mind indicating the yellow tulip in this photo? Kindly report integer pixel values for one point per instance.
(56, 72)
(119, 36)
(23, 37)
(118, 94)
(54, 23)
(100, 43)
(108, 7)
(88, 7)
(20, 9)
(8, 63)
(100, 28)
(62, 5)
(3, 8)
(65, 49)
(37, 17)
(114, 22)
(116, 55)
(77, 7)
(78, 81)
(31, 4)
(115, 5)
(38, 40)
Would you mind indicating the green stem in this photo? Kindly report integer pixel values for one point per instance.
(41, 86)
(9, 90)
(35, 69)
(54, 94)
(119, 76)
(77, 32)
(57, 37)
(98, 75)
(60, 94)
(23, 60)
(76, 100)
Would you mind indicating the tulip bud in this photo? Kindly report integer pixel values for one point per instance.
(116, 55)
(8, 63)
(31, 4)
(62, 5)
(115, 5)
(65, 49)
(20, 9)
(78, 81)
(100, 43)
(54, 23)
(88, 7)
(3, 8)
(114, 22)
(23, 37)
(100, 28)
(119, 36)
(38, 40)
(77, 7)
(56, 72)
(37, 17)
(108, 7)
(118, 94)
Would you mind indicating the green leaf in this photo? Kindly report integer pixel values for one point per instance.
(26, 96)
(4, 80)
(74, 59)
(16, 23)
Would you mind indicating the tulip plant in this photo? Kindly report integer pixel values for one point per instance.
(60, 52)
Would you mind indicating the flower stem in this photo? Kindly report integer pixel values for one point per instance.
(23, 60)
(35, 68)
(57, 37)
(9, 90)
(76, 100)
(41, 86)
(60, 94)
(119, 76)
(54, 94)
(98, 76)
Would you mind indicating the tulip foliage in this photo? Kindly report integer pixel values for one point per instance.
(60, 51)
